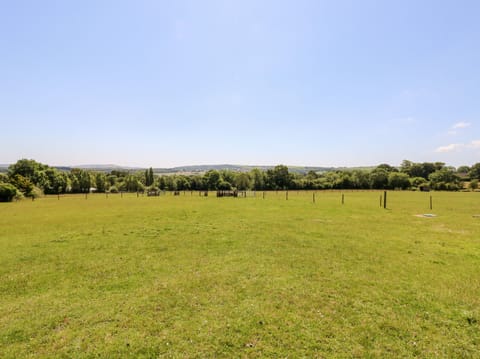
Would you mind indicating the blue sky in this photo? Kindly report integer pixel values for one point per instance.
(166, 83)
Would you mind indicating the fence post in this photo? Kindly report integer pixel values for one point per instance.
(431, 204)
(313, 197)
(343, 198)
(384, 199)
(286, 195)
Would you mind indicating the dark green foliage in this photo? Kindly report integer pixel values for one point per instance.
(23, 184)
(463, 170)
(398, 180)
(278, 178)
(444, 179)
(212, 179)
(27, 168)
(224, 185)
(474, 184)
(100, 182)
(379, 178)
(7, 192)
(475, 171)
(149, 179)
(27, 175)
(242, 181)
(81, 181)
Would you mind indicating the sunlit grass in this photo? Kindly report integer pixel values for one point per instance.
(191, 276)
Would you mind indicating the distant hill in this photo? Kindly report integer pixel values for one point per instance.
(107, 168)
(237, 168)
(196, 169)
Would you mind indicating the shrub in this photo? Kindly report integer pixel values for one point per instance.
(474, 184)
(113, 189)
(36, 192)
(7, 192)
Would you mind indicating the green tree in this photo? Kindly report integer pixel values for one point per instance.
(54, 181)
(7, 192)
(224, 185)
(80, 180)
(475, 171)
(474, 184)
(242, 181)
(463, 170)
(228, 176)
(23, 184)
(379, 179)
(100, 182)
(444, 179)
(132, 184)
(418, 182)
(406, 166)
(149, 178)
(361, 179)
(183, 183)
(344, 180)
(398, 180)
(279, 177)
(258, 179)
(212, 179)
(26, 168)
(386, 167)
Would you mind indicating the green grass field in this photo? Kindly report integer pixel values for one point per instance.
(192, 276)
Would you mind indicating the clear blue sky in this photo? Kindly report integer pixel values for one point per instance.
(166, 83)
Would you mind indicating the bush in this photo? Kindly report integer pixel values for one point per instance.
(113, 189)
(36, 192)
(7, 192)
(224, 186)
(474, 184)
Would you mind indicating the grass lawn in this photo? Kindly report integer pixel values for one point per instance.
(190, 276)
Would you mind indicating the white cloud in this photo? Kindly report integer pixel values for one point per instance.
(450, 148)
(474, 144)
(461, 124)
(458, 146)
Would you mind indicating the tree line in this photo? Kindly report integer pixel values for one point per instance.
(28, 178)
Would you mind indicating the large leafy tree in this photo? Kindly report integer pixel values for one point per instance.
(475, 171)
(212, 179)
(398, 180)
(279, 177)
(242, 181)
(149, 179)
(7, 192)
(23, 184)
(258, 179)
(27, 168)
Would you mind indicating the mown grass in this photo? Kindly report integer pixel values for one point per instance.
(190, 276)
